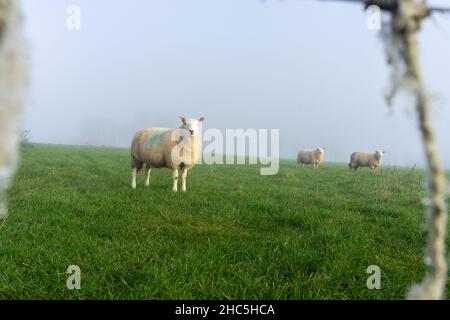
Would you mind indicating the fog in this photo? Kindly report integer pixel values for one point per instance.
(309, 68)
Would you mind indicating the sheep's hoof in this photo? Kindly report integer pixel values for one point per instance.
(184, 190)
(174, 190)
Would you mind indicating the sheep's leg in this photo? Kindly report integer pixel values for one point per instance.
(133, 178)
(175, 180)
(147, 176)
(183, 177)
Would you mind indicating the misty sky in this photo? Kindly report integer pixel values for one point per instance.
(310, 68)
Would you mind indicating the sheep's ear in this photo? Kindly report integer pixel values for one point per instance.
(183, 119)
(201, 119)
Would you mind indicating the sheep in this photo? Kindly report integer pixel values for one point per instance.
(362, 159)
(314, 157)
(167, 148)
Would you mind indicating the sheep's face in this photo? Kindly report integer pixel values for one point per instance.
(191, 125)
(379, 154)
(320, 149)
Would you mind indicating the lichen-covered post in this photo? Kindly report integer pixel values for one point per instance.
(13, 80)
(405, 23)
(402, 53)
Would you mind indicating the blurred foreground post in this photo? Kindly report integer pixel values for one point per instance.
(405, 23)
(402, 53)
(13, 81)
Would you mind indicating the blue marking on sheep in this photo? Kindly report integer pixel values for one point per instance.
(155, 138)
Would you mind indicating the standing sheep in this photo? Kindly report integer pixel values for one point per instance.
(174, 149)
(362, 159)
(314, 157)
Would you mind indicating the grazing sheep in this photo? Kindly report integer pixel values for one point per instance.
(314, 157)
(167, 148)
(362, 159)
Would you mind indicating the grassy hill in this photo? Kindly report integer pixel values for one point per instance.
(301, 234)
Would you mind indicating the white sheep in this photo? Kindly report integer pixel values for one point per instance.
(174, 149)
(362, 159)
(308, 156)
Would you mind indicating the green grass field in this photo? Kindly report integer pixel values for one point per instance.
(300, 234)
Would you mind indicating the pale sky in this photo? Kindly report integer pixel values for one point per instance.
(309, 68)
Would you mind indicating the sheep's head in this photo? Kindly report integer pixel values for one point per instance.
(379, 154)
(320, 149)
(191, 125)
